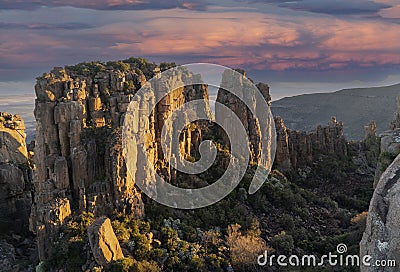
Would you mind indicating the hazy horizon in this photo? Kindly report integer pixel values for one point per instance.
(278, 90)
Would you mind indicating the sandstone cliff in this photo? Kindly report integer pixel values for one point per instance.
(15, 172)
(250, 122)
(296, 148)
(80, 167)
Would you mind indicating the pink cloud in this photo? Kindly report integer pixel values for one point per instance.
(104, 4)
(392, 13)
(246, 38)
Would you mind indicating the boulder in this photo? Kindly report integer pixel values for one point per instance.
(103, 242)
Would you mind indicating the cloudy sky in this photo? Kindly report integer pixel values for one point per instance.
(296, 46)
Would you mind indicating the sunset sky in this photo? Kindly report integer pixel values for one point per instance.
(295, 46)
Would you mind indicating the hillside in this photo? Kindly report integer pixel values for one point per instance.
(355, 107)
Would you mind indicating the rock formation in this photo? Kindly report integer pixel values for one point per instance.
(381, 239)
(79, 156)
(390, 139)
(15, 172)
(79, 162)
(396, 120)
(80, 166)
(296, 148)
(103, 242)
(370, 130)
(251, 123)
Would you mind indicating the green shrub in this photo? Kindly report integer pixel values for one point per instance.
(385, 159)
(283, 242)
(89, 69)
(131, 265)
(169, 238)
(141, 246)
(122, 233)
(119, 65)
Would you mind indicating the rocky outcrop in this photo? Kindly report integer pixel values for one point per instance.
(390, 139)
(79, 162)
(282, 157)
(381, 239)
(250, 122)
(396, 120)
(103, 242)
(15, 172)
(80, 165)
(370, 130)
(298, 148)
(79, 156)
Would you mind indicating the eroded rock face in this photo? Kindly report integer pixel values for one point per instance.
(79, 154)
(381, 239)
(15, 172)
(103, 242)
(250, 122)
(79, 163)
(296, 148)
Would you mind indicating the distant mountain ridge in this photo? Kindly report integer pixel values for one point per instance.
(355, 107)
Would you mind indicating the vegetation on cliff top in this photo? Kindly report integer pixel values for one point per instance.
(139, 65)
